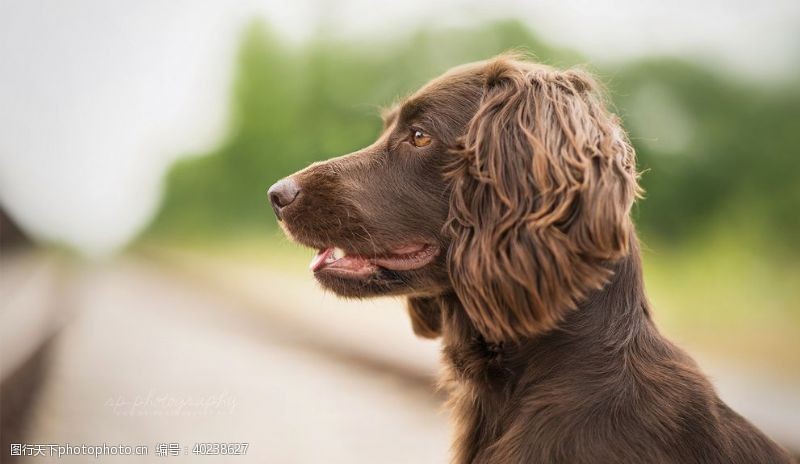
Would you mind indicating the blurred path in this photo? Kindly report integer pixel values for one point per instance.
(30, 317)
(769, 402)
(192, 348)
(152, 358)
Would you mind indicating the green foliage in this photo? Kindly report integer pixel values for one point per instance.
(738, 166)
(714, 151)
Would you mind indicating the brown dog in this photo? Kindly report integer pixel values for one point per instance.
(497, 199)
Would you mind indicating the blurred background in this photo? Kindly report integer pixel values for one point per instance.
(148, 296)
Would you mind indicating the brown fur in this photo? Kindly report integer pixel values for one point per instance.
(551, 354)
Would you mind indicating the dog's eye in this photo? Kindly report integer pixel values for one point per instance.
(420, 139)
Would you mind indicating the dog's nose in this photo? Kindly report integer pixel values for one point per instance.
(282, 194)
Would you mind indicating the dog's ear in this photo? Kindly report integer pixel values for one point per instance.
(542, 185)
(426, 316)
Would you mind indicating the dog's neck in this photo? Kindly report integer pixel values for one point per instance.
(607, 320)
(486, 379)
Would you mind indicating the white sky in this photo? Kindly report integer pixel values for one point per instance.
(98, 97)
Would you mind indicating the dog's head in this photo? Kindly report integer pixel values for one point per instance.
(505, 183)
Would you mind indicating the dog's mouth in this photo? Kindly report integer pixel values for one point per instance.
(342, 263)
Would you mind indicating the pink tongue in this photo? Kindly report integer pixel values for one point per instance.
(355, 264)
(407, 258)
(319, 260)
(408, 249)
(401, 259)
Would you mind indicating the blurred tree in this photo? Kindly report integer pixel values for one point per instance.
(715, 152)
(738, 165)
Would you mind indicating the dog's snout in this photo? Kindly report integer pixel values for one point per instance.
(282, 194)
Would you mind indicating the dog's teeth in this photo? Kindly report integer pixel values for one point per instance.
(337, 253)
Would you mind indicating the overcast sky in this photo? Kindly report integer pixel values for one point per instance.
(98, 97)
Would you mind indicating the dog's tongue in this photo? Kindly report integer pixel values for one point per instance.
(335, 258)
(400, 259)
(318, 261)
(406, 258)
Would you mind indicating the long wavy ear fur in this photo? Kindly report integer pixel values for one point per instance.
(542, 186)
(426, 316)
